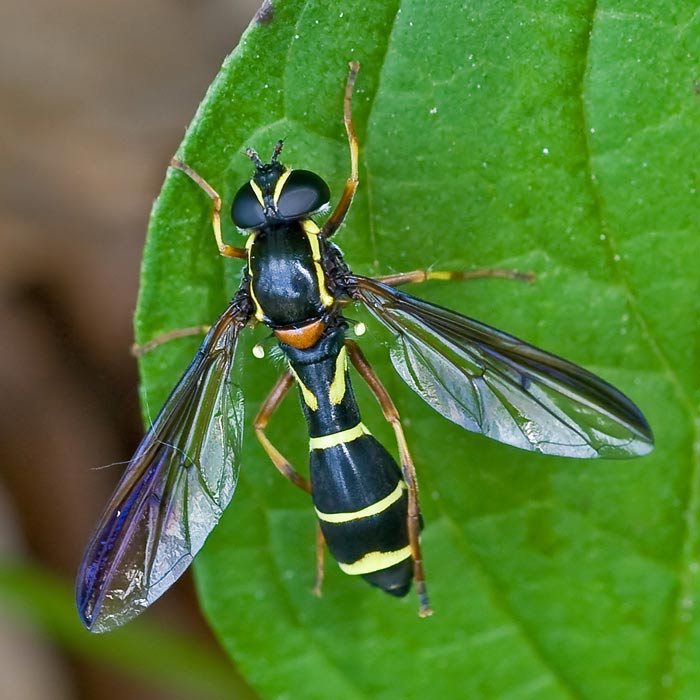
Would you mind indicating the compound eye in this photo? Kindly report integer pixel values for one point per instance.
(303, 193)
(246, 210)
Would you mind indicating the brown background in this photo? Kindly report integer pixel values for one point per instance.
(94, 98)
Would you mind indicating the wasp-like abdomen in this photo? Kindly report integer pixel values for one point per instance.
(358, 490)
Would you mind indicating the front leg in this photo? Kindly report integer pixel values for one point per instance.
(226, 250)
(336, 218)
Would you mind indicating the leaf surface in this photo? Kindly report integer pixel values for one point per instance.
(558, 137)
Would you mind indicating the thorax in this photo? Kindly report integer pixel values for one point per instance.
(288, 283)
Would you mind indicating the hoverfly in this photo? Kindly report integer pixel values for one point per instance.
(295, 281)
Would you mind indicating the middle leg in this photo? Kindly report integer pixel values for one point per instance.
(139, 350)
(336, 218)
(226, 250)
(418, 276)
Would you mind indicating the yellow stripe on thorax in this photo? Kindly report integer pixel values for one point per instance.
(310, 226)
(340, 438)
(373, 509)
(248, 246)
(376, 561)
(312, 231)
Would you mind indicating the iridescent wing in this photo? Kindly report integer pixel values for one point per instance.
(492, 383)
(173, 491)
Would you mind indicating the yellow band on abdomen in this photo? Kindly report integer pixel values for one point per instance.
(325, 441)
(373, 509)
(376, 561)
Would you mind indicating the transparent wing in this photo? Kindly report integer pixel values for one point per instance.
(492, 383)
(173, 491)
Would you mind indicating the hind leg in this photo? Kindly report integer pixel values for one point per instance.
(409, 472)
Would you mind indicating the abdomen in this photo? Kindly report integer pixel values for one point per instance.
(361, 502)
(357, 487)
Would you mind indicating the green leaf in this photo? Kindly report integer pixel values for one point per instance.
(558, 137)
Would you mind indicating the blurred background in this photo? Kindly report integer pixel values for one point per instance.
(94, 98)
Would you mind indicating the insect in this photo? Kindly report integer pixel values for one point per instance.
(295, 281)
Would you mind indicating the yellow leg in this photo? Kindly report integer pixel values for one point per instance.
(138, 350)
(226, 250)
(336, 218)
(320, 550)
(418, 276)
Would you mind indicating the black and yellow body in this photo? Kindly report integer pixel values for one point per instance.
(287, 281)
(357, 488)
